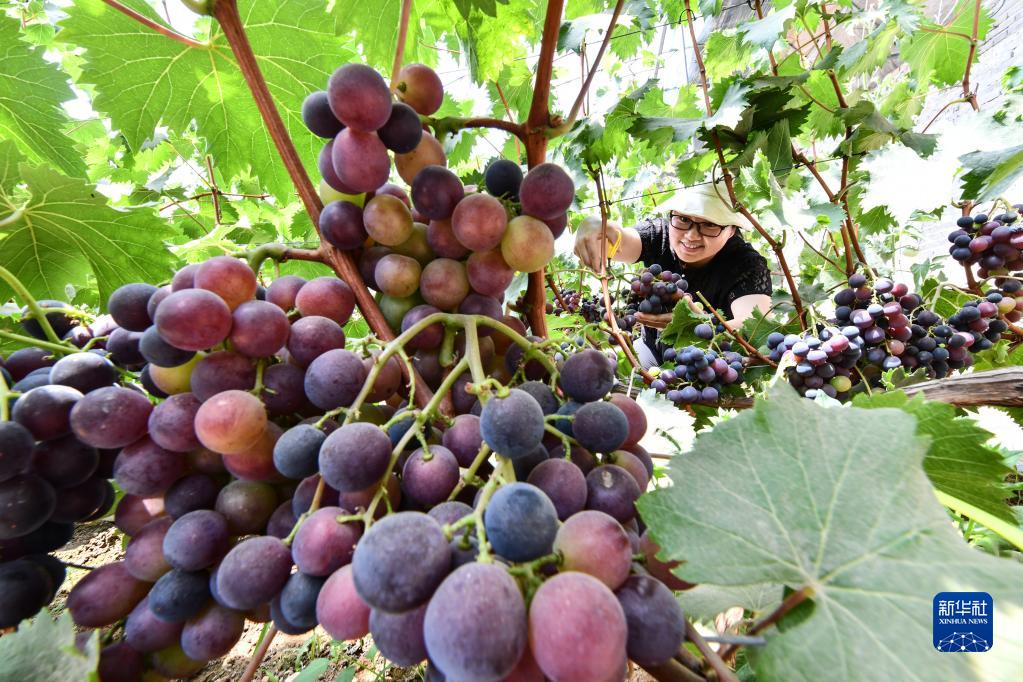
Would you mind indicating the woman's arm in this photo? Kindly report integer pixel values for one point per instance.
(742, 310)
(743, 307)
(587, 243)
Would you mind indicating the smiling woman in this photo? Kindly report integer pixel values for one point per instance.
(699, 235)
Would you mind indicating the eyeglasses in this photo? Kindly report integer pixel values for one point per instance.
(683, 224)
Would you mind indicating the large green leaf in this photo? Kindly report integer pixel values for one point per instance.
(958, 462)
(44, 649)
(834, 500)
(374, 25)
(767, 31)
(935, 53)
(728, 113)
(31, 91)
(65, 232)
(990, 174)
(142, 79)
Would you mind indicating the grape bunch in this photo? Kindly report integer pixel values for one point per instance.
(221, 476)
(1008, 296)
(656, 291)
(885, 327)
(699, 375)
(993, 243)
(591, 308)
(441, 245)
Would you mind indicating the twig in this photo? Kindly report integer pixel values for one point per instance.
(574, 111)
(820, 253)
(22, 292)
(159, 28)
(959, 100)
(217, 215)
(399, 49)
(972, 96)
(259, 655)
(452, 123)
(556, 291)
(537, 123)
(734, 334)
(790, 603)
(507, 110)
(598, 178)
(724, 673)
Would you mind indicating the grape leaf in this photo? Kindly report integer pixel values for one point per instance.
(164, 82)
(766, 32)
(958, 462)
(991, 174)
(374, 26)
(834, 499)
(679, 332)
(939, 55)
(31, 91)
(66, 232)
(727, 114)
(44, 649)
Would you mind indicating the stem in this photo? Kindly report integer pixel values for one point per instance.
(259, 654)
(14, 217)
(472, 351)
(32, 341)
(5, 410)
(934, 118)
(971, 96)
(37, 312)
(790, 603)
(734, 334)
(507, 110)
(399, 49)
(518, 340)
(343, 263)
(1006, 530)
(470, 473)
(414, 431)
(537, 123)
(598, 178)
(555, 290)
(724, 673)
(574, 112)
(159, 28)
(452, 123)
(825, 257)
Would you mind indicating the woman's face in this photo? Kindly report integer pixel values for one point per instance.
(695, 242)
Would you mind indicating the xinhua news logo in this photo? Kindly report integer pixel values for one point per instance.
(963, 622)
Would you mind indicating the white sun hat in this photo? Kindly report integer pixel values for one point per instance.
(706, 202)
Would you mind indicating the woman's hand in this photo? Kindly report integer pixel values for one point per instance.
(661, 321)
(587, 242)
(656, 321)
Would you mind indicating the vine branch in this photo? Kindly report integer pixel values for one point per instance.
(159, 28)
(343, 263)
(537, 123)
(971, 97)
(574, 112)
(792, 601)
(399, 49)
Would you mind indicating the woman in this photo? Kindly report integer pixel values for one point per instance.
(698, 235)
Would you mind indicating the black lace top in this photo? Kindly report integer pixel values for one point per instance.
(737, 270)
